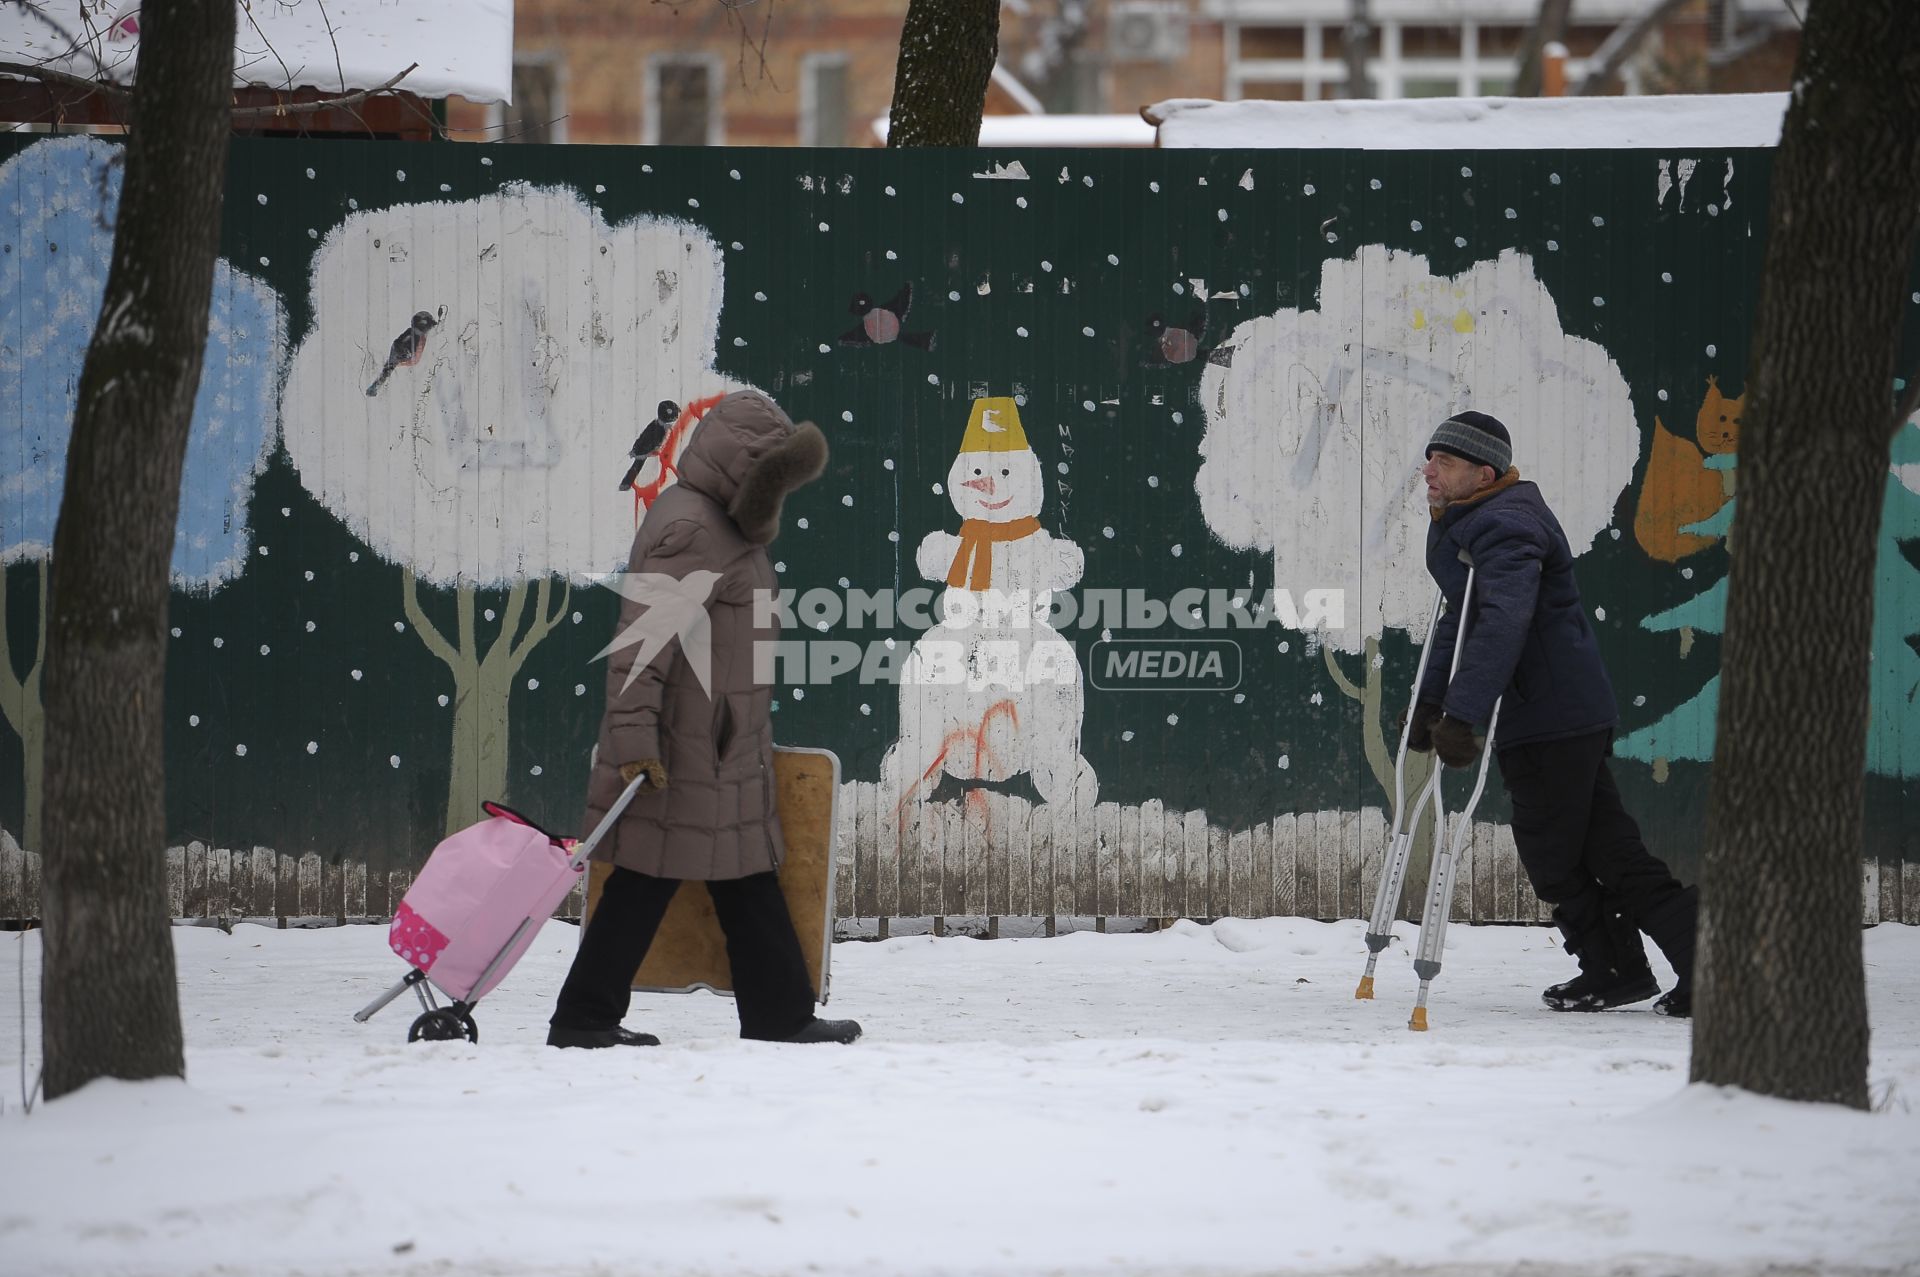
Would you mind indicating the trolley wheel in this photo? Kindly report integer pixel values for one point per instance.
(443, 1025)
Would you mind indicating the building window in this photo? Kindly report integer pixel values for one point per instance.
(683, 101)
(823, 99)
(539, 109)
(1407, 59)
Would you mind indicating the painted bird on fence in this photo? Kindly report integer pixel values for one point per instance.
(1173, 343)
(880, 324)
(650, 439)
(407, 348)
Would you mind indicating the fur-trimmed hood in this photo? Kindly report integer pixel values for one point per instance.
(746, 454)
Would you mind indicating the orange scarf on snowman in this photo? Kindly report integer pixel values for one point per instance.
(973, 566)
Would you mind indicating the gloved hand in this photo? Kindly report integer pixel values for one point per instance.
(655, 769)
(1454, 743)
(1420, 732)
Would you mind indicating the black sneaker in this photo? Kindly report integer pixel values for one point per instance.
(1676, 1002)
(841, 1031)
(1598, 990)
(596, 1038)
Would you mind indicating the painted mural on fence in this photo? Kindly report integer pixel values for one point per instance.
(1110, 595)
(58, 201)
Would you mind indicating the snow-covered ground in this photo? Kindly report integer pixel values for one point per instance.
(1203, 1100)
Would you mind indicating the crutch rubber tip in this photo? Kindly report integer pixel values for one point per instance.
(1365, 992)
(1419, 1021)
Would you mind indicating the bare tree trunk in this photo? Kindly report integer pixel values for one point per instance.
(109, 1005)
(947, 52)
(1782, 1006)
(1057, 39)
(1358, 39)
(1624, 41)
(1549, 26)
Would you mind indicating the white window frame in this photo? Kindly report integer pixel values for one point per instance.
(497, 111)
(1388, 69)
(650, 123)
(809, 95)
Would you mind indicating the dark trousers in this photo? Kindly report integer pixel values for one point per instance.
(1584, 855)
(771, 988)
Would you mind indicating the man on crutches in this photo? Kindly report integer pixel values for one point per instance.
(1529, 650)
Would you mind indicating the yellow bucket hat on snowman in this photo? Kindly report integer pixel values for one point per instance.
(994, 426)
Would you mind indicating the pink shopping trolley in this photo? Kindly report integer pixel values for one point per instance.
(475, 907)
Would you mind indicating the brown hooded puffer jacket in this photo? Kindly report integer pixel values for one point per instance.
(709, 533)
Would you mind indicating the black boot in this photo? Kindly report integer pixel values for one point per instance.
(1675, 927)
(1677, 1003)
(841, 1031)
(1613, 969)
(594, 1038)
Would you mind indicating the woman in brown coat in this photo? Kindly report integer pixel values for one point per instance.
(684, 707)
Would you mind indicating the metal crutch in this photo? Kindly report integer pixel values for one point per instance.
(1457, 847)
(1393, 874)
(1451, 845)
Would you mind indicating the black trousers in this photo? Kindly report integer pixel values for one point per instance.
(1583, 852)
(771, 988)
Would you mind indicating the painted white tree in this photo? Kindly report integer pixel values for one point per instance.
(60, 198)
(482, 447)
(1317, 430)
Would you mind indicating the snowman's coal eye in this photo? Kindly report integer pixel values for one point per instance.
(976, 469)
(1005, 473)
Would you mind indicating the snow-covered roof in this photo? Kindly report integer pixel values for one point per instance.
(335, 46)
(1438, 124)
(1055, 130)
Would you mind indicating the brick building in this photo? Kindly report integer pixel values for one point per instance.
(821, 73)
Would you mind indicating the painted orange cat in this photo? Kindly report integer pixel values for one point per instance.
(1678, 489)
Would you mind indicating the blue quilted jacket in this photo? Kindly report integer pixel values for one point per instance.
(1528, 643)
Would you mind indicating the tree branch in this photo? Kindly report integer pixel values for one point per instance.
(435, 641)
(322, 104)
(120, 95)
(1618, 47)
(10, 689)
(47, 75)
(542, 623)
(1339, 676)
(516, 606)
(254, 23)
(464, 610)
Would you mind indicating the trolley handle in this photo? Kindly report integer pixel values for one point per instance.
(585, 849)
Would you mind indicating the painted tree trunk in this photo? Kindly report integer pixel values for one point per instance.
(21, 702)
(1381, 748)
(947, 52)
(109, 1006)
(33, 746)
(1781, 1007)
(480, 735)
(482, 686)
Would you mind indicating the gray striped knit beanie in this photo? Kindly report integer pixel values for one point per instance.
(1476, 437)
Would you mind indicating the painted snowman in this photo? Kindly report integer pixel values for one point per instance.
(993, 690)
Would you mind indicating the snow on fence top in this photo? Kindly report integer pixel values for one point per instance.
(1054, 130)
(338, 47)
(1676, 122)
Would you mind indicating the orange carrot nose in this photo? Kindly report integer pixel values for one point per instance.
(983, 485)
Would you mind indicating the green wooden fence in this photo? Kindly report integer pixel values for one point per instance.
(1223, 365)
